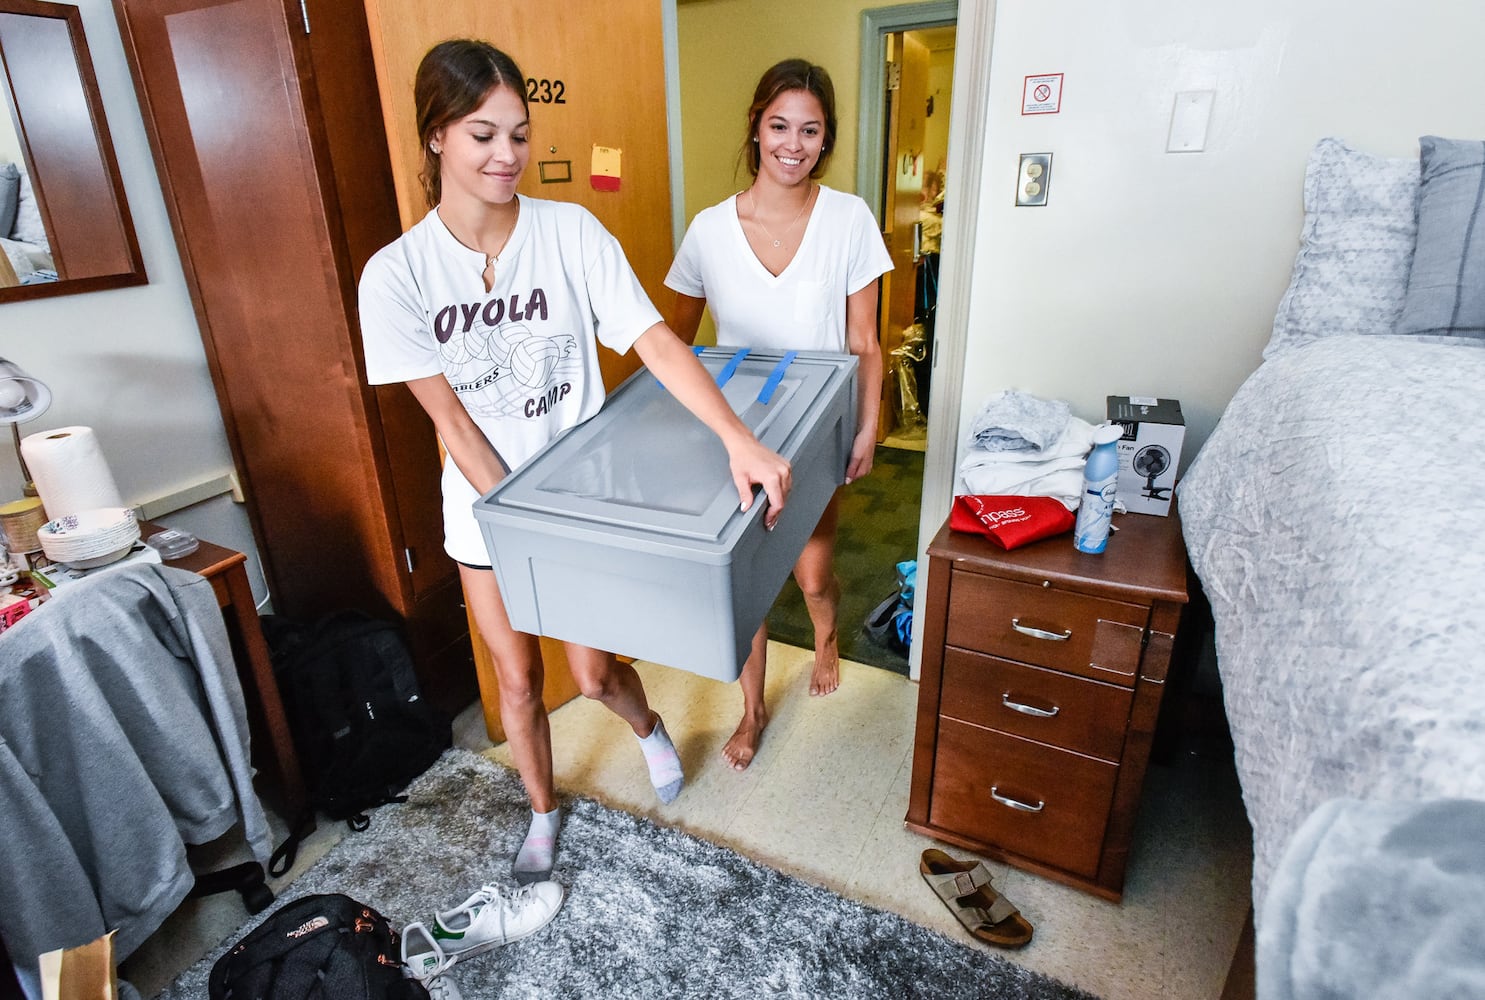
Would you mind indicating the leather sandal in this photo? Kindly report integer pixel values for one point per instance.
(965, 887)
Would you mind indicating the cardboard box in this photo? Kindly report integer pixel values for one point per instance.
(624, 533)
(1149, 451)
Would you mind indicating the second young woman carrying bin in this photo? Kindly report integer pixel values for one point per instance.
(793, 265)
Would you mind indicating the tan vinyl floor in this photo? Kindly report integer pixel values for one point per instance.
(825, 802)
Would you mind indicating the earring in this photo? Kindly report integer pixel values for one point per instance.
(434, 149)
(755, 138)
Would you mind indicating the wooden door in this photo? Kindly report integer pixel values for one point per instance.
(902, 188)
(592, 80)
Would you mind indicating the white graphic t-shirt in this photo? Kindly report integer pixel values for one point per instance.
(804, 307)
(522, 357)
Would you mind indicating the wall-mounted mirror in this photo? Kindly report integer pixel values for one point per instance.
(64, 224)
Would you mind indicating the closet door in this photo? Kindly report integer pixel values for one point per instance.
(270, 150)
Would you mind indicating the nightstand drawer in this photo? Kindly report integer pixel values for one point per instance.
(1046, 626)
(1037, 801)
(1043, 705)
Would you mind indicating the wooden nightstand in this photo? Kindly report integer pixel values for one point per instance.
(1043, 671)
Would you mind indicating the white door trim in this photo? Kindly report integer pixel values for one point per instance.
(964, 179)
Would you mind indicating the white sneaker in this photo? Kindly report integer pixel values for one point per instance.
(495, 916)
(428, 963)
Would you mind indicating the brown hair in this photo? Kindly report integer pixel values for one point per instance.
(791, 74)
(453, 80)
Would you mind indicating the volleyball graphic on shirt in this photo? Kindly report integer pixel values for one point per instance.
(469, 360)
(467, 346)
(532, 359)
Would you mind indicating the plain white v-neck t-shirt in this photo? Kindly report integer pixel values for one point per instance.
(803, 308)
(522, 357)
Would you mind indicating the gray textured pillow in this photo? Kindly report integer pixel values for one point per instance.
(28, 224)
(1446, 290)
(1356, 247)
(10, 196)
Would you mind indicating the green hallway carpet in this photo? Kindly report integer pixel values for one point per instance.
(878, 529)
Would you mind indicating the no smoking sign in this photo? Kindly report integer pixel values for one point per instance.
(1042, 94)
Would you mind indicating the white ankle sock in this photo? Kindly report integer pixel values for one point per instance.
(664, 763)
(539, 851)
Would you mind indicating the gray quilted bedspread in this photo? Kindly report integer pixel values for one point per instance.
(1336, 518)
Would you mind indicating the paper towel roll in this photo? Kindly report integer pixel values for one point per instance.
(69, 470)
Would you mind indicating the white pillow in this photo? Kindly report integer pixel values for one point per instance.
(1356, 247)
(28, 226)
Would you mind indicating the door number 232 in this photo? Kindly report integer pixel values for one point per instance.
(546, 91)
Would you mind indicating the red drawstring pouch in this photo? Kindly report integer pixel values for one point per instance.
(1008, 521)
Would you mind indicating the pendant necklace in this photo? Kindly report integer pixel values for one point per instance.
(491, 259)
(753, 204)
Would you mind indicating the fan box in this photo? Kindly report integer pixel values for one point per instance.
(624, 533)
(1149, 451)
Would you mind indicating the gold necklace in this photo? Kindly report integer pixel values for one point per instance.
(753, 204)
(491, 259)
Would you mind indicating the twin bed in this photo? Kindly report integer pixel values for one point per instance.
(1336, 518)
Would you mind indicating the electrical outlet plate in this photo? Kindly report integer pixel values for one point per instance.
(1033, 179)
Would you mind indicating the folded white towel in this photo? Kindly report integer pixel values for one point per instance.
(1022, 480)
(1055, 471)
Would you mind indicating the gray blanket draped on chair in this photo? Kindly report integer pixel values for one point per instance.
(123, 738)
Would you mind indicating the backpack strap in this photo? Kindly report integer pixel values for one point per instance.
(285, 854)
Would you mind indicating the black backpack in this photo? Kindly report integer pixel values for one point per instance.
(326, 947)
(360, 726)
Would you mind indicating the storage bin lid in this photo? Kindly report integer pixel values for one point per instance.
(644, 463)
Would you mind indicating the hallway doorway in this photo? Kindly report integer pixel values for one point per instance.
(915, 95)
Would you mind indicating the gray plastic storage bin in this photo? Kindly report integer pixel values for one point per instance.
(624, 533)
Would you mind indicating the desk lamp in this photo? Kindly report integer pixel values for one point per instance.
(22, 398)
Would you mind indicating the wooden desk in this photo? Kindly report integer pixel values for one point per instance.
(227, 571)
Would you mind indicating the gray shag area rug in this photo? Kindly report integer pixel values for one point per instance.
(650, 912)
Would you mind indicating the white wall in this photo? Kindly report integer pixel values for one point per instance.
(10, 143)
(1157, 273)
(129, 362)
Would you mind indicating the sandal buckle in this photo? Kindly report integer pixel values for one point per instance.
(964, 884)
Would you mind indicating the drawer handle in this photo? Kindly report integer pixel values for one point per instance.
(1037, 633)
(1024, 709)
(1015, 803)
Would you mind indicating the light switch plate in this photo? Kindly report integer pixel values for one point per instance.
(1189, 118)
(1033, 179)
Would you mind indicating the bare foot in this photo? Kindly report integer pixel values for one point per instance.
(825, 677)
(740, 750)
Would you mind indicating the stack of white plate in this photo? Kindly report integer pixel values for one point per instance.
(91, 537)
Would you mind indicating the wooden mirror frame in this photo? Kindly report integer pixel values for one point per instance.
(54, 100)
